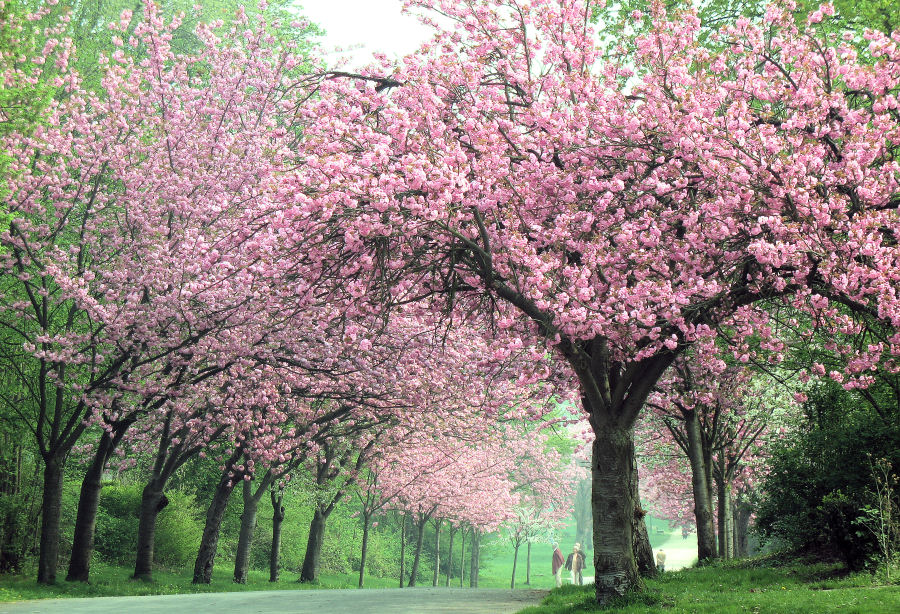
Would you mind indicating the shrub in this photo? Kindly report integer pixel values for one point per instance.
(821, 481)
(178, 529)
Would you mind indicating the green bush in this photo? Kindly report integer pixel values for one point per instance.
(178, 531)
(294, 534)
(178, 528)
(821, 480)
(383, 554)
(342, 542)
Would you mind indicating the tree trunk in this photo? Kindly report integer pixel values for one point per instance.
(365, 549)
(420, 537)
(706, 539)
(402, 549)
(89, 499)
(437, 551)
(245, 537)
(50, 517)
(711, 496)
(476, 553)
(153, 501)
(450, 555)
(512, 581)
(86, 517)
(277, 520)
(528, 566)
(725, 519)
(613, 503)
(310, 571)
(206, 554)
(462, 559)
(643, 551)
(742, 527)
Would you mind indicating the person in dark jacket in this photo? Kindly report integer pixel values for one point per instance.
(558, 563)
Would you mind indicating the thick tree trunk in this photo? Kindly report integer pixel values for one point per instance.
(275, 551)
(614, 504)
(450, 555)
(365, 549)
(474, 557)
(528, 566)
(245, 537)
(153, 501)
(206, 554)
(310, 571)
(420, 537)
(86, 517)
(512, 581)
(703, 515)
(50, 517)
(437, 551)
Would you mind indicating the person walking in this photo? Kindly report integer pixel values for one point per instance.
(558, 563)
(661, 561)
(575, 564)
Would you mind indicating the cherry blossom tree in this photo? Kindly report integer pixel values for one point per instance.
(623, 210)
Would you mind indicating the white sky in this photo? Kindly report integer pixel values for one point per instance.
(366, 27)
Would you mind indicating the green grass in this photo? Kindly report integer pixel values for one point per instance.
(108, 580)
(740, 589)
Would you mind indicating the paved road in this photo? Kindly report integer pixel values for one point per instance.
(426, 600)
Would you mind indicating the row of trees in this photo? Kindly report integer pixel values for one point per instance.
(166, 298)
(238, 248)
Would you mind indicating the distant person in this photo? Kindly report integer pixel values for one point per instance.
(558, 563)
(575, 564)
(661, 561)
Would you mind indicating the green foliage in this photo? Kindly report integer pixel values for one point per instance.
(384, 552)
(89, 21)
(178, 531)
(23, 94)
(117, 522)
(820, 481)
(178, 527)
(342, 542)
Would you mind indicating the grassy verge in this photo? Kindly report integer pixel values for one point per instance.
(107, 581)
(810, 589)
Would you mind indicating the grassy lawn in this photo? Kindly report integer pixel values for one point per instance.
(110, 580)
(810, 589)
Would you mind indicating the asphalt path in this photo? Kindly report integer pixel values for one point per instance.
(426, 600)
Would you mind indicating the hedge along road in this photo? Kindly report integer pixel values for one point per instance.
(426, 600)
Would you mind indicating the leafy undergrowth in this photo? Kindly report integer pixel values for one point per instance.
(747, 588)
(107, 580)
